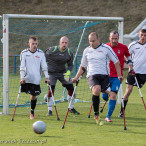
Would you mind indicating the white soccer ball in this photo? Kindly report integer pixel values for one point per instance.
(39, 127)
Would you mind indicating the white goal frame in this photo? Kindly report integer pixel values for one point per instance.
(5, 41)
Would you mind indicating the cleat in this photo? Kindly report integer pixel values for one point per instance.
(49, 113)
(32, 116)
(120, 115)
(98, 120)
(108, 119)
(74, 111)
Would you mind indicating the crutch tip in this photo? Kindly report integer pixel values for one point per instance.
(88, 116)
(12, 119)
(62, 127)
(101, 110)
(125, 128)
(58, 119)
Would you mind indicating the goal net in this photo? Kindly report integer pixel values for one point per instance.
(49, 29)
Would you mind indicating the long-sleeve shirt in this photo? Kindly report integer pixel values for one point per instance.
(97, 60)
(32, 65)
(138, 55)
(58, 60)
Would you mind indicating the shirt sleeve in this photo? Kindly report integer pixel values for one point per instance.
(44, 65)
(84, 59)
(22, 65)
(70, 62)
(112, 56)
(126, 51)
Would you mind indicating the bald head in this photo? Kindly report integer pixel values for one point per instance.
(64, 42)
(94, 40)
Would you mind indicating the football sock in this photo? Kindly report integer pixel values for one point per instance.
(96, 101)
(111, 107)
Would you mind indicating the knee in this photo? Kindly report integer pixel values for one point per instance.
(96, 90)
(105, 96)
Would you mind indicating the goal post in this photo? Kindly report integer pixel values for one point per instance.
(48, 28)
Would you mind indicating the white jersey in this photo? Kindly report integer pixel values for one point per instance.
(97, 60)
(138, 54)
(31, 66)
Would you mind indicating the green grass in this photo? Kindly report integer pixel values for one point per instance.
(79, 129)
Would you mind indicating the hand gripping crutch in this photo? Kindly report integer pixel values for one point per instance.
(16, 103)
(53, 102)
(140, 92)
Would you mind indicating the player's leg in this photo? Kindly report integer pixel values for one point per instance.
(94, 85)
(69, 86)
(50, 100)
(53, 79)
(33, 90)
(130, 83)
(115, 85)
(33, 105)
(70, 90)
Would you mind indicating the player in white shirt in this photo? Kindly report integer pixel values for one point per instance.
(32, 63)
(137, 49)
(96, 59)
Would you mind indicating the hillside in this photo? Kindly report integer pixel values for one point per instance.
(133, 11)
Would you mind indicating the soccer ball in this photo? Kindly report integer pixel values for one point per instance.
(39, 127)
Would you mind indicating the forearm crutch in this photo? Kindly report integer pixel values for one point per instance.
(140, 92)
(16, 103)
(53, 102)
(122, 103)
(90, 110)
(72, 98)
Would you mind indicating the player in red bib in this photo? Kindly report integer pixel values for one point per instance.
(121, 51)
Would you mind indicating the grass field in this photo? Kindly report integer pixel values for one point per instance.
(79, 129)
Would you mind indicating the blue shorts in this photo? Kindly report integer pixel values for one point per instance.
(115, 85)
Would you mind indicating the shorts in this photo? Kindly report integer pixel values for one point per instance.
(53, 77)
(115, 84)
(141, 78)
(31, 89)
(98, 79)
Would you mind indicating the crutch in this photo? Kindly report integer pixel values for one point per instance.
(16, 103)
(72, 98)
(140, 92)
(53, 102)
(90, 110)
(122, 103)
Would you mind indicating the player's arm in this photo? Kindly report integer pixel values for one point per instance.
(70, 62)
(81, 70)
(118, 69)
(45, 68)
(22, 68)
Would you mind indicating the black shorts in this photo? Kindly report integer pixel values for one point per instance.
(102, 80)
(31, 89)
(141, 78)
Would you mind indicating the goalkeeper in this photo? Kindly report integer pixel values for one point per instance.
(60, 64)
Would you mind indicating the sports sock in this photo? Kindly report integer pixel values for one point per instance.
(33, 104)
(111, 107)
(96, 101)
